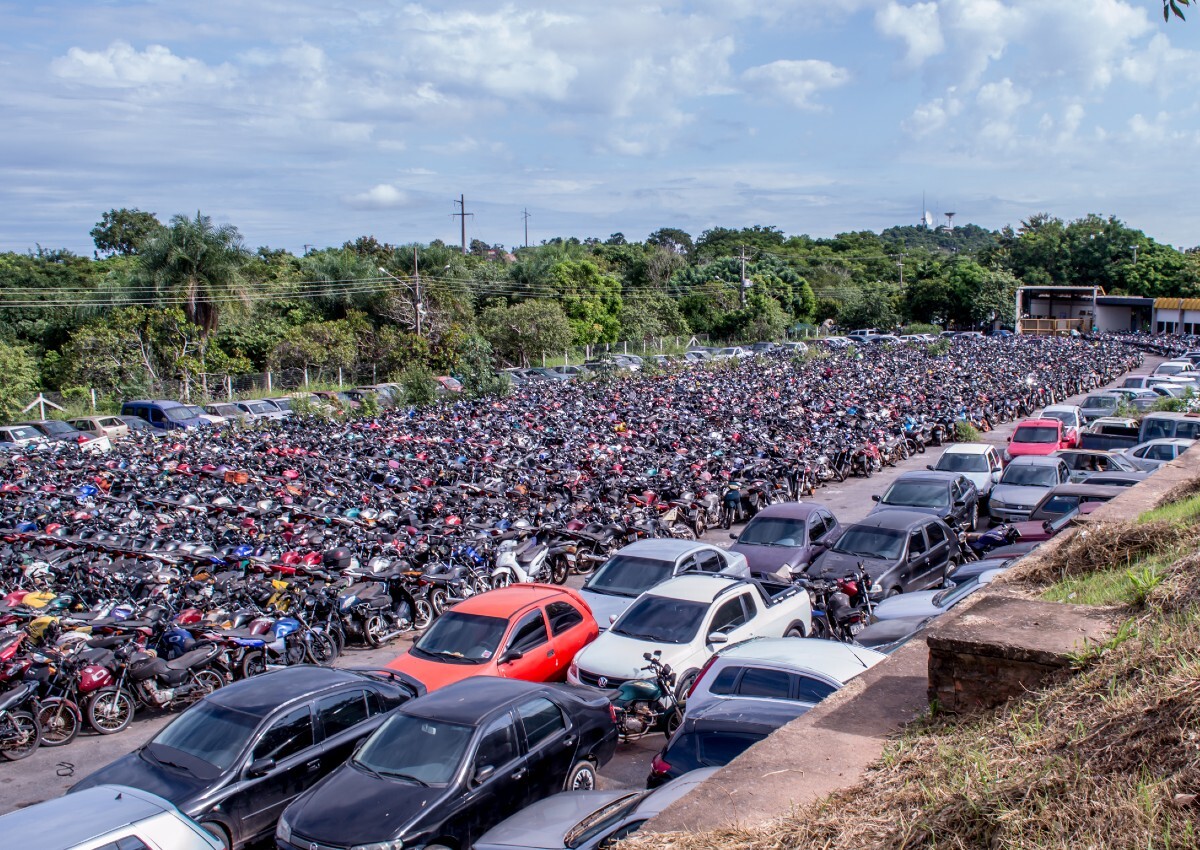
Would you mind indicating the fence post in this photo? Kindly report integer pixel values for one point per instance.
(626, 346)
(93, 399)
(204, 385)
(305, 376)
(187, 389)
(228, 388)
(543, 360)
(268, 383)
(339, 377)
(566, 357)
(660, 345)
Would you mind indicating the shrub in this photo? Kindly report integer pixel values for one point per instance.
(965, 432)
(420, 389)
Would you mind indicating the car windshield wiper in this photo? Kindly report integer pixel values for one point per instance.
(367, 768)
(641, 635)
(408, 777)
(167, 762)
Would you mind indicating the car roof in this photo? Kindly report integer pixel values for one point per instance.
(261, 695)
(1035, 423)
(895, 518)
(743, 714)
(968, 448)
(1085, 488)
(65, 822)
(508, 599)
(1061, 408)
(830, 658)
(695, 587)
(663, 548)
(1035, 460)
(931, 475)
(791, 510)
(472, 700)
(168, 402)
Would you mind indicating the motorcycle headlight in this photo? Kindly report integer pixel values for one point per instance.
(283, 830)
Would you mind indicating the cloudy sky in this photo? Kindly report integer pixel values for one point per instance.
(317, 121)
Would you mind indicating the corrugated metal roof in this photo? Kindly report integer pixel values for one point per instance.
(1177, 303)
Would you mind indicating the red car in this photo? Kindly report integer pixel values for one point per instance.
(1036, 437)
(523, 631)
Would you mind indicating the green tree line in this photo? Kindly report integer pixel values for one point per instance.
(177, 300)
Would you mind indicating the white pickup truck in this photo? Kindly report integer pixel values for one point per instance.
(688, 618)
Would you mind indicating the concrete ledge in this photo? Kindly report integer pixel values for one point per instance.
(1005, 646)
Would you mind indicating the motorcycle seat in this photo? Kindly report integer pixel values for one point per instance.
(192, 658)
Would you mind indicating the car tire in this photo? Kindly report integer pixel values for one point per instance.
(796, 630)
(218, 832)
(581, 777)
(894, 591)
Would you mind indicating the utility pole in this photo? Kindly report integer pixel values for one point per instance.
(417, 283)
(743, 283)
(462, 213)
(525, 213)
(1135, 255)
(900, 263)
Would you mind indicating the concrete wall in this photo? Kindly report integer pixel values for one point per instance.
(1114, 318)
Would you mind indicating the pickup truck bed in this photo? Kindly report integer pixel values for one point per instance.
(1109, 438)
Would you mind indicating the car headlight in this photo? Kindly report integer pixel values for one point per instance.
(397, 844)
(573, 671)
(998, 503)
(283, 830)
(876, 587)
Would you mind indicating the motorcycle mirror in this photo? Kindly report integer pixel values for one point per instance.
(260, 767)
(717, 637)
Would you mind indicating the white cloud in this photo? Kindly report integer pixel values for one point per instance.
(933, 116)
(121, 66)
(795, 80)
(1001, 100)
(382, 196)
(917, 26)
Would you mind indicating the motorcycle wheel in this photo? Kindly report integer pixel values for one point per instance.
(726, 518)
(209, 681)
(868, 469)
(61, 720)
(481, 584)
(820, 628)
(974, 519)
(254, 663)
(26, 736)
(439, 600)
(295, 651)
(423, 618)
(111, 711)
(681, 531)
(674, 719)
(701, 527)
(374, 630)
(839, 473)
(559, 570)
(501, 579)
(320, 649)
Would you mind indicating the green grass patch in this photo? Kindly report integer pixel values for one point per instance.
(1106, 587)
(1184, 511)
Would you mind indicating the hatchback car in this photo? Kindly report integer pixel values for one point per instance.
(1152, 454)
(1099, 404)
(978, 462)
(444, 769)
(1068, 497)
(257, 410)
(1023, 484)
(235, 759)
(1084, 463)
(783, 539)
(901, 550)
(643, 564)
(1036, 437)
(22, 435)
(524, 631)
(227, 412)
(58, 431)
(102, 426)
(948, 495)
(107, 817)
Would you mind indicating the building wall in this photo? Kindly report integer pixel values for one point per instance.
(1118, 319)
(1170, 321)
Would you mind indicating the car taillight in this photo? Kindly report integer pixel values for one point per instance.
(612, 712)
(700, 675)
(82, 438)
(659, 766)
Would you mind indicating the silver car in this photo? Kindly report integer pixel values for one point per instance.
(104, 817)
(1024, 481)
(1152, 454)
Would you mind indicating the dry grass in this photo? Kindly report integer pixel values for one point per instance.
(1109, 758)
(1106, 546)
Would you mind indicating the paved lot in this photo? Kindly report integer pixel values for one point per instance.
(50, 772)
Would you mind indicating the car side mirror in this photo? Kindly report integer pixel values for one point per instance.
(612, 618)
(717, 637)
(1010, 439)
(996, 477)
(483, 774)
(511, 655)
(1048, 526)
(260, 767)
(929, 466)
(876, 498)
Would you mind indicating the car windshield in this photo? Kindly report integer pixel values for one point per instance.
(416, 749)
(774, 531)
(625, 575)
(195, 411)
(1036, 434)
(661, 620)
(463, 638)
(1058, 505)
(1170, 369)
(209, 732)
(917, 494)
(960, 462)
(55, 427)
(23, 432)
(1108, 402)
(1030, 476)
(282, 403)
(177, 414)
(871, 541)
(1063, 416)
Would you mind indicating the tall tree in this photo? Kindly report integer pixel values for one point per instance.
(124, 231)
(197, 263)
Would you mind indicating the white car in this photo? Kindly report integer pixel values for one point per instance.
(642, 565)
(1152, 454)
(687, 618)
(1174, 367)
(804, 671)
(1070, 415)
(979, 463)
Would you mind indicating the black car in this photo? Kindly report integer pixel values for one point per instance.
(234, 760)
(446, 768)
(948, 495)
(901, 550)
(719, 734)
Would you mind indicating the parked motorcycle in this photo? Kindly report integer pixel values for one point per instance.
(642, 706)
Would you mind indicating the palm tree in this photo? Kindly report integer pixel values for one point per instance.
(198, 265)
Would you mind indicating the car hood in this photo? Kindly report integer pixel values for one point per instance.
(350, 806)
(940, 512)
(620, 657)
(138, 771)
(1017, 494)
(437, 674)
(769, 559)
(604, 606)
(545, 824)
(915, 604)
(1031, 449)
(833, 564)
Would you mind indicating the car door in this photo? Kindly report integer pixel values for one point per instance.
(341, 724)
(913, 574)
(285, 763)
(497, 783)
(942, 547)
(568, 634)
(732, 618)
(550, 746)
(529, 640)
